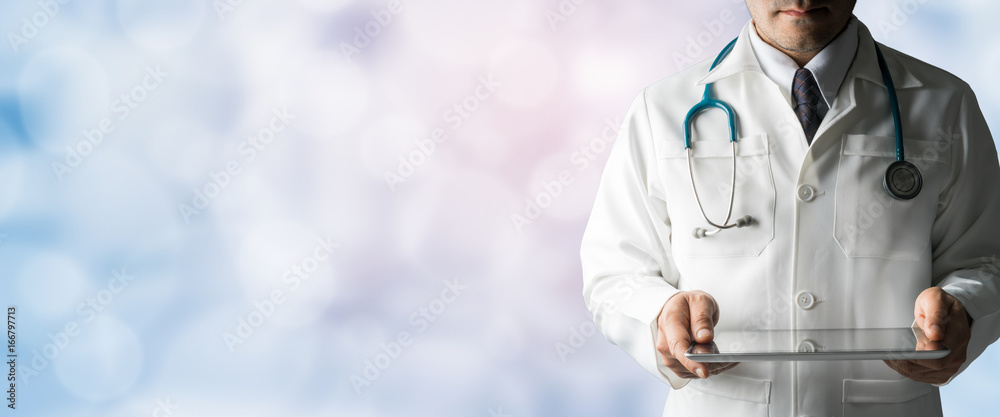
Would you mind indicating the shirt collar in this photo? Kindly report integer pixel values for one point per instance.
(865, 67)
(828, 67)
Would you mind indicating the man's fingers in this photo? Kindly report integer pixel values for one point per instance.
(907, 368)
(932, 364)
(699, 369)
(933, 306)
(663, 347)
(682, 321)
(677, 338)
(721, 367)
(704, 314)
(675, 365)
(668, 326)
(918, 372)
(943, 320)
(679, 342)
(678, 346)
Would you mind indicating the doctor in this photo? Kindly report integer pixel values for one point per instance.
(821, 241)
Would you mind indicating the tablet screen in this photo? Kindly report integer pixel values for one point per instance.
(820, 344)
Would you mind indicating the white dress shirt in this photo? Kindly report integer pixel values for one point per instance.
(828, 67)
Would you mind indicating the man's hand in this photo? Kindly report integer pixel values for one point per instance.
(943, 319)
(687, 316)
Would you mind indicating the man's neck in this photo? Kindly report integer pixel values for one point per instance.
(801, 58)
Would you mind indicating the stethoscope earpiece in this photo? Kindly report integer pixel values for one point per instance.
(740, 222)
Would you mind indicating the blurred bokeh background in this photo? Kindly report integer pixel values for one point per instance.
(310, 208)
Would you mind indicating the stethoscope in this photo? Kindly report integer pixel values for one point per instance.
(902, 179)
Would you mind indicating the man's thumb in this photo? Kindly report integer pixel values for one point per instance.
(935, 312)
(704, 313)
(702, 328)
(704, 335)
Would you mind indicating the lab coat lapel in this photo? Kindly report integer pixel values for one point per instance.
(741, 59)
(844, 113)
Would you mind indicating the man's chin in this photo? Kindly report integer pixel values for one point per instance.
(801, 40)
(810, 47)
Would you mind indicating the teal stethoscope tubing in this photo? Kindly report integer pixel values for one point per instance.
(902, 180)
(708, 101)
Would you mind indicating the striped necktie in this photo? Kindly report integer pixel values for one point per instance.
(805, 91)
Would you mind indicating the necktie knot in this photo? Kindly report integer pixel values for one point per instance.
(804, 88)
(805, 92)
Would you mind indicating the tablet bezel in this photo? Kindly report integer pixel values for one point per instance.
(903, 351)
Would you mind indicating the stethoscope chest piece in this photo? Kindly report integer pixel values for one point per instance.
(902, 180)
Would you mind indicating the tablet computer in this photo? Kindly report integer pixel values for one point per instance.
(817, 345)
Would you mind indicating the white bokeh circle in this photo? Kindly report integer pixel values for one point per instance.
(526, 70)
(110, 215)
(62, 91)
(562, 189)
(604, 71)
(13, 174)
(198, 364)
(391, 137)
(102, 362)
(455, 218)
(325, 6)
(269, 251)
(326, 96)
(454, 33)
(162, 24)
(46, 271)
(181, 151)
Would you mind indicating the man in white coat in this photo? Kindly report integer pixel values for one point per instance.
(828, 247)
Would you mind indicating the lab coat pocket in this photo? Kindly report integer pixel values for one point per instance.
(868, 221)
(880, 398)
(735, 395)
(712, 166)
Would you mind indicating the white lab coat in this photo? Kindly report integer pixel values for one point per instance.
(830, 249)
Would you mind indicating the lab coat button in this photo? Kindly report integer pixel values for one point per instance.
(807, 346)
(806, 193)
(805, 300)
